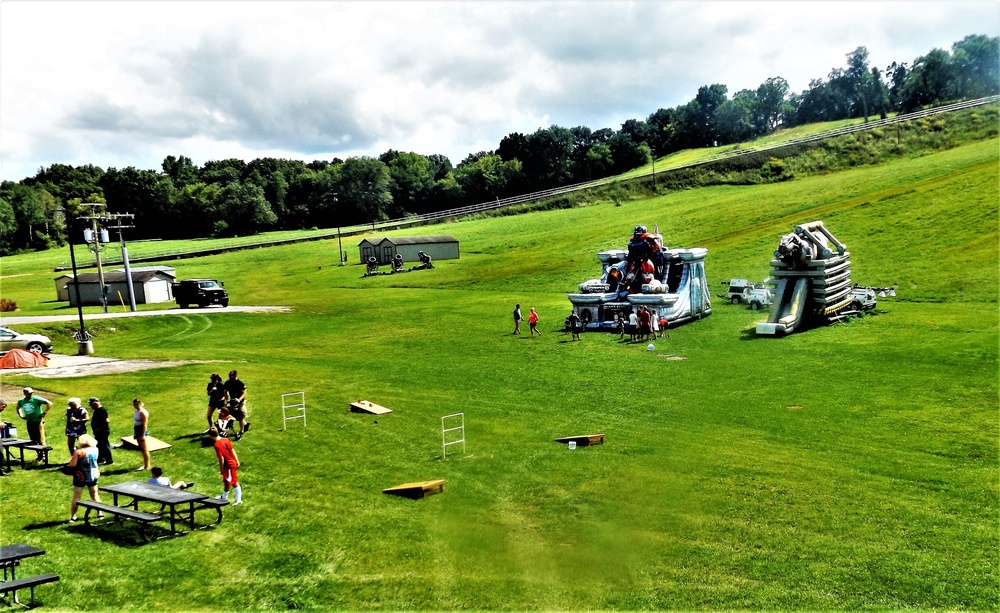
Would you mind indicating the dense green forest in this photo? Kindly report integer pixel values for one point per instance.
(234, 197)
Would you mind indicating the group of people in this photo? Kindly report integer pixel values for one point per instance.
(229, 398)
(87, 452)
(642, 325)
(33, 409)
(396, 265)
(532, 321)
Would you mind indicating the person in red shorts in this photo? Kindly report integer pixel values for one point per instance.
(533, 322)
(228, 463)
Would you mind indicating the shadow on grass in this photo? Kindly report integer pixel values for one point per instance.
(198, 438)
(123, 534)
(44, 524)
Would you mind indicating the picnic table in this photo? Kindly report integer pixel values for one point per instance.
(9, 445)
(10, 559)
(181, 503)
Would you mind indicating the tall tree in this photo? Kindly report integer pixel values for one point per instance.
(8, 227)
(769, 99)
(734, 119)
(928, 82)
(181, 170)
(244, 209)
(363, 187)
(975, 60)
(222, 171)
(896, 75)
(149, 196)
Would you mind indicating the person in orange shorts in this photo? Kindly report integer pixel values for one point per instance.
(228, 463)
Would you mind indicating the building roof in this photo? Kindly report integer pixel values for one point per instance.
(411, 240)
(118, 276)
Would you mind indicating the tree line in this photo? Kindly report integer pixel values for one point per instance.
(234, 197)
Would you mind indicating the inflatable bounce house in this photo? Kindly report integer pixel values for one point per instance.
(669, 282)
(813, 274)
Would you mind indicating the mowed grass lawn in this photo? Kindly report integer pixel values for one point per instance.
(847, 467)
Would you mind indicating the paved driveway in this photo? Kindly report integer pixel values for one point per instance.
(83, 365)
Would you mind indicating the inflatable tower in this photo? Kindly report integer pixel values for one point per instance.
(813, 274)
(669, 282)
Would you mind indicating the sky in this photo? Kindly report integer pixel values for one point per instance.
(127, 83)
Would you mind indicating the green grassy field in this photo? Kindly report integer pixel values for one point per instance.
(843, 468)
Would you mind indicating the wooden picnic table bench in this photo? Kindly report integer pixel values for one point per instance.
(41, 450)
(212, 503)
(12, 586)
(128, 513)
(181, 504)
(10, 560)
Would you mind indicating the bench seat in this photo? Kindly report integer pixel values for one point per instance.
(8, 587)
(212, 503)
(139, 516)
(41, 450)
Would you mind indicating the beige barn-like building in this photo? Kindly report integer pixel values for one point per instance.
(385, 249)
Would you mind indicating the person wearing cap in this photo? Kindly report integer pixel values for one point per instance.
(76, 423)
(100, 424)
(32, 409)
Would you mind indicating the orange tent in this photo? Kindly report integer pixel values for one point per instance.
(19, 358)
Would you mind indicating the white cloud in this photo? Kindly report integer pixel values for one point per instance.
(127, 83)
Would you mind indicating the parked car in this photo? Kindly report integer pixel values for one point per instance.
(35, 343)
(863, 298)
(202, 292)
(758, 298)
(736, 288)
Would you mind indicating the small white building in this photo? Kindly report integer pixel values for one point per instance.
(385, 249)
(151, 284)
(62, 290)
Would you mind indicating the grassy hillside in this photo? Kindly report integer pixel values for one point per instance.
(848, 467)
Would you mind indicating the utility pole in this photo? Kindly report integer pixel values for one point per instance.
(84, 346)
(121, 225)
(94, 217)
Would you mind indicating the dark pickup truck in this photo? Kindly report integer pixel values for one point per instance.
(202, 292)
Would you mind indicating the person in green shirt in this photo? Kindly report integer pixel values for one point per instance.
(33, 409)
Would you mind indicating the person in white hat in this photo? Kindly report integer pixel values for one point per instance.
(32, 409)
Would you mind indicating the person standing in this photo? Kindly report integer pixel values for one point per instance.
(228, 463)
(633, 324)
(621, 326)
(517, 319)
(140, 428)
(100, 425)
(32, 409)
(574, 325)
(643, 324)
(76, 423)
(237, 393)
(86, 473)
(654, 324)
(216, 391)
(533, 322)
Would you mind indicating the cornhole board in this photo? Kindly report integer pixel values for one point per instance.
(583, 441)
(152, 444)
(417, 489)
(363, 406)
